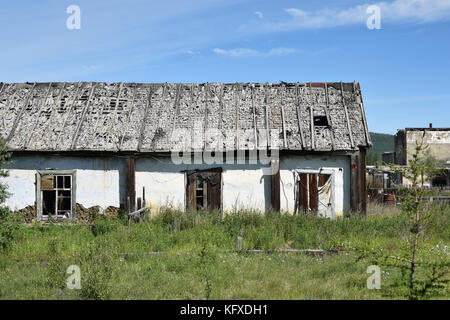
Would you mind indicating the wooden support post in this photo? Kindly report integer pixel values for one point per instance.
(130, 183)
(275, 185)
(362, 182)
(354, 183)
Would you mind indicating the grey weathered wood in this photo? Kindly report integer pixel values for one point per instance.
(83, 115)
(327, 113)
(68, 113)
(302, 139)
(347, 117)
(144, 121)
(363, 113)
(239, 244)
(36, 121)
(176, 105)
(255, 130)
(129, 117)
(285, 142)
(311, 114)
(19, 115)
(267, 106)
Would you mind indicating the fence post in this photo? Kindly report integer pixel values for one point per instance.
(239, 243)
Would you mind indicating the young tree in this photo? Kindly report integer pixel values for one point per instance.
(433, 262)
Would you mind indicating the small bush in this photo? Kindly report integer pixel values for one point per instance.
(9, 226)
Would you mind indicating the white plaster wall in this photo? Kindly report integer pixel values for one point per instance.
(101, 181)
(98, 179)
(340, 165)
(244, 186)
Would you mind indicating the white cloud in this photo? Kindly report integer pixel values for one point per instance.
(397, 11)
(259, 14)
(246, 52)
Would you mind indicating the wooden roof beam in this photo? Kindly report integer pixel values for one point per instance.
(347, 117)
(83, 115)
(19, 115)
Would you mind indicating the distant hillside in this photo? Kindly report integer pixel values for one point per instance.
(382, 143)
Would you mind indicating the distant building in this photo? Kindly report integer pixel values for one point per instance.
(438, 142)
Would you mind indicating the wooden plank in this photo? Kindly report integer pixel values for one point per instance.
(267, 107)
(327, 113)
(36, 122)
(205, 119)
(313, 192)
(175, 117)
(362, 206)
(285, 143)
(83, 115)
(129, 117)
(347, 117)
(236, 95)
(311, 114)
(354, 182)
(213, 191)
(19, 115)
(144, 120)
(68, 113)
(302, 139)
(275, 185)
(190, 192)
(130, 182)
(323, 178)
(303, 193)
(93, 137)
(254, 117)
(363, 113)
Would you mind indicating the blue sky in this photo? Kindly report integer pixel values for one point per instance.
(403, 68)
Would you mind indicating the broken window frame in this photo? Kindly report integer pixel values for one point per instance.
(39, 193)
(193, 188)
(317, 172)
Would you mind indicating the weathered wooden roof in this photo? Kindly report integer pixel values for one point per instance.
(144, 117)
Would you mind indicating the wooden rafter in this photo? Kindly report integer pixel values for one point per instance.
(68, 113)
(83, 115)
(347, 117)
(285, 142)
(144, 121)
(327, 113)
(36, 122)
(93, 135)
(177, 107)
(236, 105)
(19, 115)
(254, 117)
(268, 136)
(302, 139)
(129, 116)
(363, 113)
(311, 114)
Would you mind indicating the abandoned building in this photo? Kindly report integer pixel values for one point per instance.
(437, 141)
(113, 144)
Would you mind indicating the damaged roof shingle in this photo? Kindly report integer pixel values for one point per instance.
(149, 117)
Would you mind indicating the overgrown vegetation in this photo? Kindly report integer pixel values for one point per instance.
(424, 272)
(193, 256)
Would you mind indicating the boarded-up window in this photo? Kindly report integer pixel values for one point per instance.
(314, 193)
(204, 190)
(56, 193)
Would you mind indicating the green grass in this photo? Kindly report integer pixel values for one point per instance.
(198, 260)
